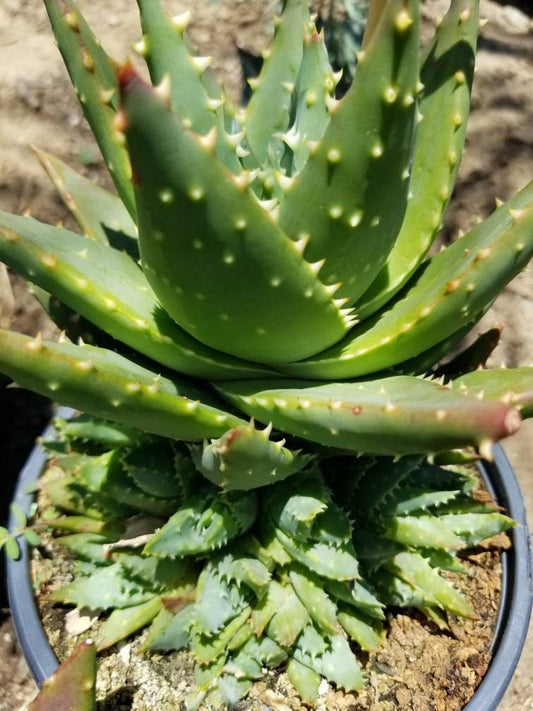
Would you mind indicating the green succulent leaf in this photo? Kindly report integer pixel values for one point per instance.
(118, 388)
(166, 50)
(170, 631)
(367, 635)
(101, 215)
(94, 78)
(86, 429)
(123, 623)
(305, 680)
(396, 415)
(232, 250)
(446, 74)
(320, 607)
(264, 121)
(246, 458)
(417, 572)
(205, 522)
(509, 385)
(447, 292)
(106, 588)
(82, 273)
(336, 202)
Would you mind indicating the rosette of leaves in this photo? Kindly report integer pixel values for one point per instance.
(269, 264)
(245, 579)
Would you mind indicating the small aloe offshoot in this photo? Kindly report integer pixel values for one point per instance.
(270, 451)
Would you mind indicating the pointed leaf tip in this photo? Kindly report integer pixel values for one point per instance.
(127, 75)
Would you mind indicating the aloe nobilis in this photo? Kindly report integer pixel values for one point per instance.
(263, 343)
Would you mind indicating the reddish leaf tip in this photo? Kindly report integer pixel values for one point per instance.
(126, 75)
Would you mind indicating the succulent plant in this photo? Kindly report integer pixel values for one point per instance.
(269, 264)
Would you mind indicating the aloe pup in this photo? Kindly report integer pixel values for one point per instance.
(262, 342)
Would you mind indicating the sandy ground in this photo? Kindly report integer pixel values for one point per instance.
(38, 107)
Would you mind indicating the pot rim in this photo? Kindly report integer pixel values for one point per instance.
(511, 625)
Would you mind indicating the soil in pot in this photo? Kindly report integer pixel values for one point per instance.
(418, 667)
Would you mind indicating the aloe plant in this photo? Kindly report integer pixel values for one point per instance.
(261, 329)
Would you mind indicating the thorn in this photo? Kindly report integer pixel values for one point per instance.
(241, 152)
(335, 212)
(333, 288)
(289, 85)
(301, 243)
(181, 22)
(36, 344)
(310, 98)
(333, 155)
(498, 202)
(452, 285)
(196, 193)
(316, 266)
(390, 95)
(86, 366)
(284, 181)
(209, 140)
(214, 104)
(483, 22)
(49, 260)
(253, 82)
(87, 61)
(71, 18)
(482, 253)
(268, 205)
(485, 449)
(292, 139)
(106, 95)
(164, 89)
(120, 121)
(201, 63)
(332, 104)
(403, 21)
(266, 432)
(348, 313)
(141, 47)
(274, 212)
(516, 214)
(234, 139)
(340, 302)
(240, 181)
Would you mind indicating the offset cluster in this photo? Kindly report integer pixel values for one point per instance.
(269, 261)
(246, 582)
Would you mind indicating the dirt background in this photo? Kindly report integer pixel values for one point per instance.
(38, 107)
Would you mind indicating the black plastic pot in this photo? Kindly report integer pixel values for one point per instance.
(513, 617)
